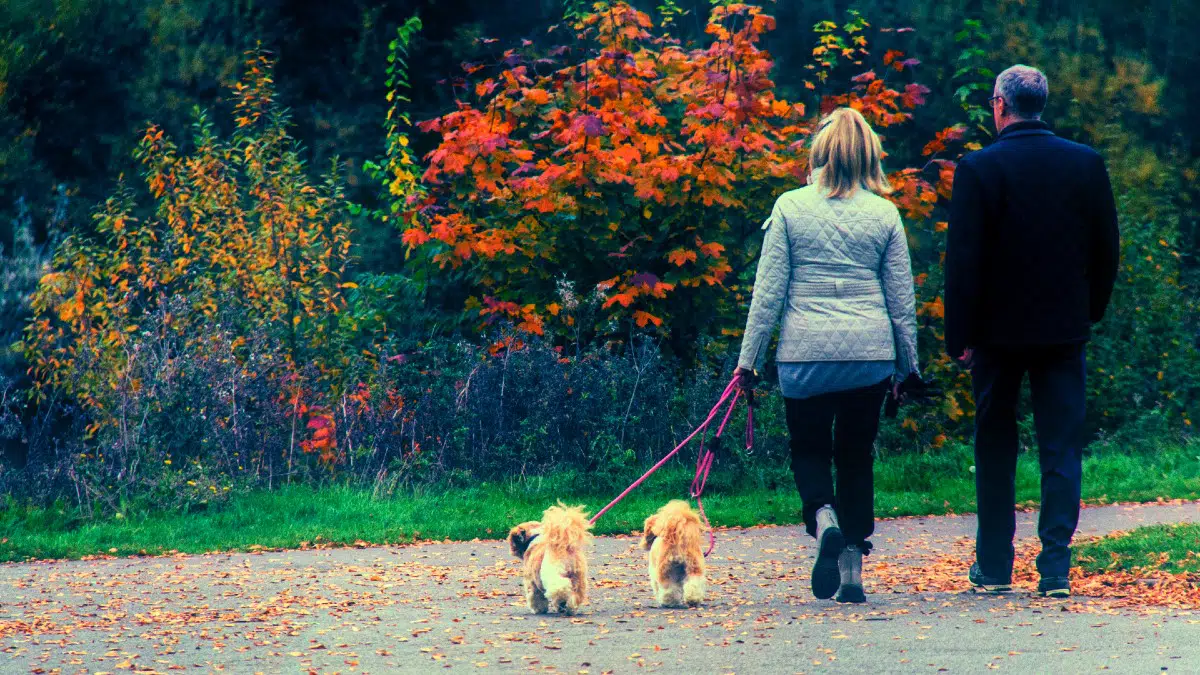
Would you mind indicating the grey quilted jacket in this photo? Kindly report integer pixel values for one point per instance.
(839, 273)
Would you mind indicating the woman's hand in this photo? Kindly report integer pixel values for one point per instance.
(743, 378)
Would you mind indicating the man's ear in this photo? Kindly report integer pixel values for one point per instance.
(648, 535)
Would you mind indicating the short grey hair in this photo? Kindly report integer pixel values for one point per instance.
(1024, 89)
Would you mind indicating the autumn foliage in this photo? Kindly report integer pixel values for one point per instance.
(628, 164)
(623, 163)
(630, 168)
(234, 267)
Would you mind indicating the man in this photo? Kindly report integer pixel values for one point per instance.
(1032, 254)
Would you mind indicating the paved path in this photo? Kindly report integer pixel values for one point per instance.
(423, 609)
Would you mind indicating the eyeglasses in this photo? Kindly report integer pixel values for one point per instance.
(995, 98)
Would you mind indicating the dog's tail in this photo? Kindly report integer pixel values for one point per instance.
(566, 529)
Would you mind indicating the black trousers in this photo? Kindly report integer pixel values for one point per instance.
(837, 429)
(1057, 377)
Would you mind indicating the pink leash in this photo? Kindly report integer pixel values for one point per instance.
(704, 460)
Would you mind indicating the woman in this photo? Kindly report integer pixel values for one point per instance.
(835, 263)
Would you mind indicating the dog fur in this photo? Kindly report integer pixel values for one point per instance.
(673, 537)
(554, 556)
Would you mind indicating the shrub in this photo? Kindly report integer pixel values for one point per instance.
(185, 326)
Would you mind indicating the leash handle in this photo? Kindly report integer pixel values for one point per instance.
(749, 420)
(712, 538)
(704, 462)
(704, 458)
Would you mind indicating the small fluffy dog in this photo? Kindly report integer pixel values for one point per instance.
(555, 567)
(673, 538)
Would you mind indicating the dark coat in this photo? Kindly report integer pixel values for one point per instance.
(1033, 246)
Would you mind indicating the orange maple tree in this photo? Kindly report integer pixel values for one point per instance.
(634, 169)
(623, 164)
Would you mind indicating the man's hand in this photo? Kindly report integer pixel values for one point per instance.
(968, 358)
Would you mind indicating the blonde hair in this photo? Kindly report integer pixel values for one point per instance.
(848, 154)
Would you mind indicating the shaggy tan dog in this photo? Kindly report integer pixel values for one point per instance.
(555, 567)
(673, 538)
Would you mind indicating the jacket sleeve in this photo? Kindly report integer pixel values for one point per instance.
(897, 278)
(771, 283)
(964, 260)
(1104, 247)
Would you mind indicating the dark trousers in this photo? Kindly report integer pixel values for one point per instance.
(1056, 380)
(838, 429)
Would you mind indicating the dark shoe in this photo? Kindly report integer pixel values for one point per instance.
(830, 542)
(985, 584)
(850, 568)
(1054, 587)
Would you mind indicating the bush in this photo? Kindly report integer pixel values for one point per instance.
(190, 328)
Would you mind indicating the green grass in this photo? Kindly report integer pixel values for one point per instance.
(916, 484)
(1172, 548)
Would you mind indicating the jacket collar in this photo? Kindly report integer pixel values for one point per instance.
(1025, 128)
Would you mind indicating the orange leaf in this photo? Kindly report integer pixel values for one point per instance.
(934, 309)
(414, 237)
(537, 96)
(624, 299)
(642, 318)
(681, 257)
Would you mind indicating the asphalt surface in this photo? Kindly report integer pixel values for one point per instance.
(428, 608)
